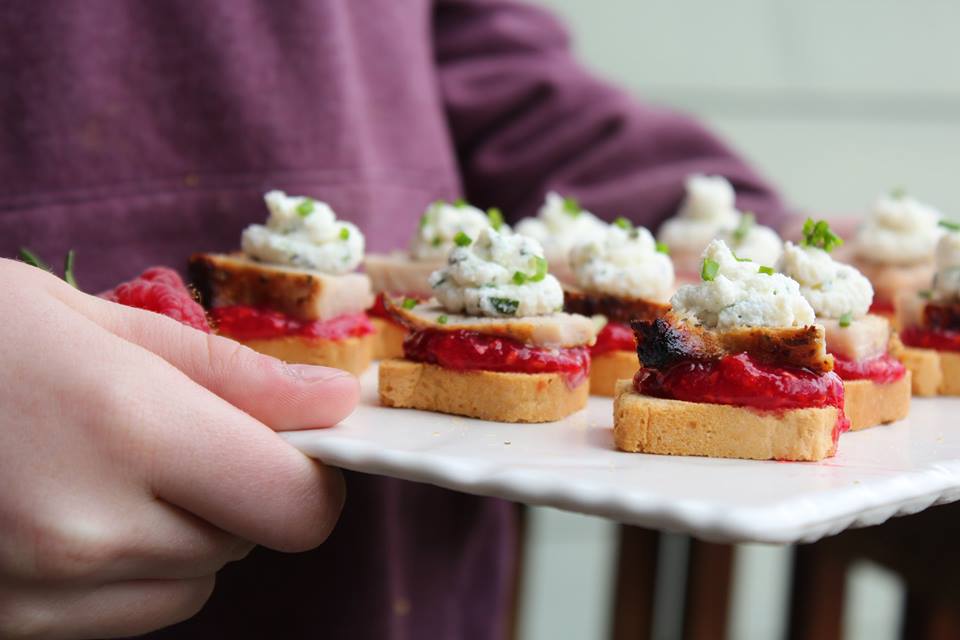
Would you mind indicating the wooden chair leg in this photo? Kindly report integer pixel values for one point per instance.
(709, 580)
(635, 583)
(819, 580)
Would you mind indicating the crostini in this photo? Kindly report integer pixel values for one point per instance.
(930, 323)
(405, 273)
(624, 275)
(737, 369)
(894, 248)
(876, 385)
(292, 292)
(495, 344)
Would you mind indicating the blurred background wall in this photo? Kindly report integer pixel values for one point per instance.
(836, 101)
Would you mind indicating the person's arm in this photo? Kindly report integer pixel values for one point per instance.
(527, 118)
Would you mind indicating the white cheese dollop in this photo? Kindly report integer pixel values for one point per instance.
(834, 290)
(302, 232)
(625, 262)
(754, 242)
(707, 211)
(946, 283)
(899, 231)
(441, 223)
(560, 224)
(740, 295)
(497, 276)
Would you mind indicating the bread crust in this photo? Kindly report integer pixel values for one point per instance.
(607, 368)
(674, 427)
(933, 372)
(388, 342)
(350, 354)
(868, 404)
(488, 395)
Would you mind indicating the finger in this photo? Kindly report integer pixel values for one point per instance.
(109, 611)
(282, 396)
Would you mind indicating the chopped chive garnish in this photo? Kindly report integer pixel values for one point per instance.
(442, 319)
(818, 234)
(623, 223)
(926, 294)
(767, 270)
(305, 207)
(68, 269)
(423, 220)
(506, 306)
(898, 193)
(344, 233)
(747, 221)
(519, 277)
(541, 272)
(495, 216)
(33, 259)
(571, 206)
(437, 241)
(846, 319)
(663, 248)
(738, 258)
(462, 239)
(709, 269)
(409, 303)
(459, 203)
(950, 225)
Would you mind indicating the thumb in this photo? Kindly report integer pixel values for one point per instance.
(282, 396)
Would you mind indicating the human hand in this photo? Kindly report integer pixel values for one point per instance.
(138, 456)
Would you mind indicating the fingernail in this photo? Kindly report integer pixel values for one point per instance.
(312, 373)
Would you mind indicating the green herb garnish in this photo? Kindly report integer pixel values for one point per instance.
(33, 259)
(738, 258)
(462, 239)
(767, 270)
(709, 270)
(459, 203)
(423, 221)
(305, 207)
(409, 303)
(505, 306)
(571, 206)
(541, 272)
(437, 241)
(747, 222)
(663, 248)
(926, 294)
(950, 225)
(898, 193)
(344, 233)
(846, 319)
(442, 319)
(623, 223)
(818, 234)
(68, 269)
(495, 216)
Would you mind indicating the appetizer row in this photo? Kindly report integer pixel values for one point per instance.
(770, 351)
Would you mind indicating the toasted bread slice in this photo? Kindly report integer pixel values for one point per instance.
(668, 340)
(891, 281)
(654, 425)
(488, 395)
(388, 341)
(933, 372)
(607, 368)
(397, 273)
(350, 354)
(860, 339)
(229, 279)
(556, 330)
(614, 308)
(868, 404)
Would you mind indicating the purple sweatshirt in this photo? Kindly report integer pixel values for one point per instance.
(139, 132)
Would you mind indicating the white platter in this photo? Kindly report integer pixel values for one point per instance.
(572, 465)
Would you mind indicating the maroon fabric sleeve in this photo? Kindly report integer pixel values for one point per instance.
(527, 118)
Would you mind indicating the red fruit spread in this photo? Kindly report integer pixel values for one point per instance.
(883, 307)
(882, 369)
(251, 323)
(469, 350)
(738, 380)
(615, 336)
(939, 339)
